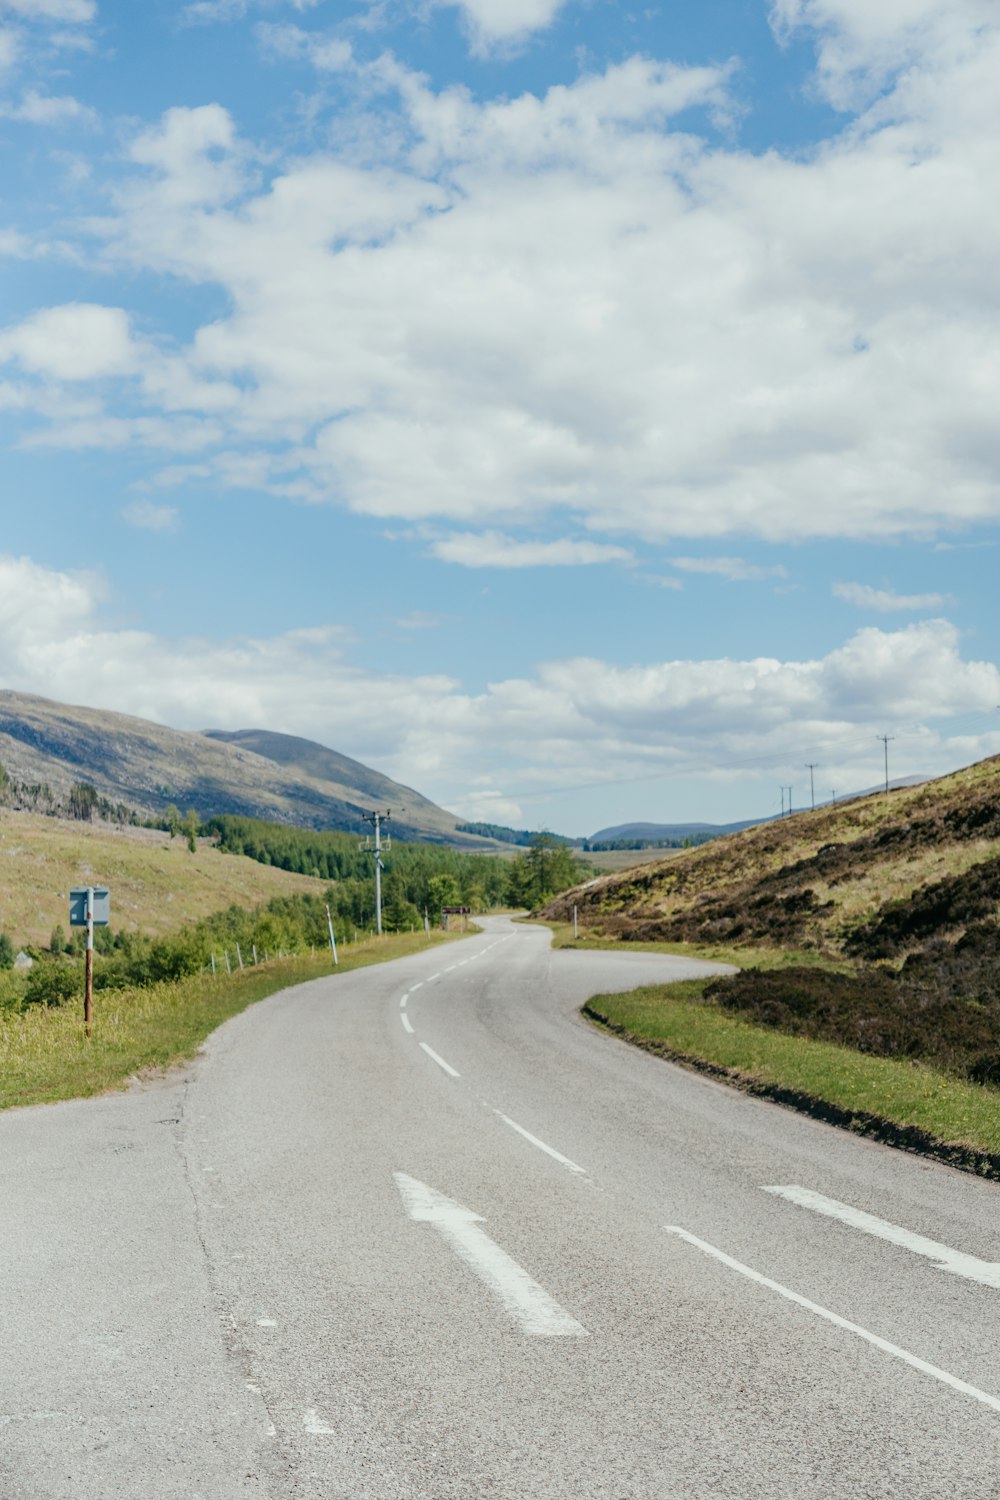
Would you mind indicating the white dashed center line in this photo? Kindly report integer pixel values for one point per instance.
(549, 1150)
(440, 1061)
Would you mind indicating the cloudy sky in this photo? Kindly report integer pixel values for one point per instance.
(582, 411)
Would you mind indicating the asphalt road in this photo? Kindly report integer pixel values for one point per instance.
(420, 1231)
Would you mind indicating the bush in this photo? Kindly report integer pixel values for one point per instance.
(53, 984)
(6, 952)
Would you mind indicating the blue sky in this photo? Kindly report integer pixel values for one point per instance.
(584, 412)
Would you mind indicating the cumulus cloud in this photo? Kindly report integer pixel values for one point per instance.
(78, 341)
(569, 305)
(491, 549)
(862, 46)
(580, 720)
(885, 601)
(48, 109)
(493, 22)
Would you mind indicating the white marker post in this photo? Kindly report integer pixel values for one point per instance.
(333, 940)
(88, 993)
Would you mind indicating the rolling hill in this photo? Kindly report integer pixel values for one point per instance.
(835, 880)
(48, 747)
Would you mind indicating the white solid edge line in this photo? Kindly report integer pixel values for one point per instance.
(406, 1023)
(549, 1150)
(440, 1060)
(831, 1317)
(956, 1261)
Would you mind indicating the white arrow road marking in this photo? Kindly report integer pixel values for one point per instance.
(832, 1317)
(528, 1303)
(440, 1061)
(955, 1261)
(549, 1150)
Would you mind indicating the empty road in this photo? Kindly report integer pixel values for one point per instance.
(421, 1231)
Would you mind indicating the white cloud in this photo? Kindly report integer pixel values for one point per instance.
(74, 11)
(78, 341)
(9, 48)
(491, 549)
(581, 720)
(14, 244)
(863, 45)
(735, 569)
(150, 517)
(490, 22)
(206, 11)
(884, 600)
(48, 109)
(493, 313)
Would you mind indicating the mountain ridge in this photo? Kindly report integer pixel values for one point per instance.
(148, 766)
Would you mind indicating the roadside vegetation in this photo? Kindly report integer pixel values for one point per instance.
(44, 1055)
(871, 928)
(419, 876)
(903, 1101)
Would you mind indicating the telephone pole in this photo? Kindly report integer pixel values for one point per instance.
(375, 849)
(885, 738)
(812, 764)
(787, 789)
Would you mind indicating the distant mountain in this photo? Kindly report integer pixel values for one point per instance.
(654, 833)
(253, 772)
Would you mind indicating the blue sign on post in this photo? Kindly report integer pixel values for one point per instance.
(78, 905)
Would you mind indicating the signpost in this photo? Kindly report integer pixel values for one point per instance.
(90, 907)
(454, 911)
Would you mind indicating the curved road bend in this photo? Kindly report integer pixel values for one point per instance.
(421, 1232)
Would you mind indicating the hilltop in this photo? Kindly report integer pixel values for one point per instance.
(48, 747)
(872, 925)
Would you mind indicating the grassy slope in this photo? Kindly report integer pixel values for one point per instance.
(45, 1056)
(155, 883)
(883, 849)
(743, 900)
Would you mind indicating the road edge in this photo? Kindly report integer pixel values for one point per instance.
(984, 1164)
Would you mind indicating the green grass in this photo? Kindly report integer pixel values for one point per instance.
(904, 1093)
(45, 1056)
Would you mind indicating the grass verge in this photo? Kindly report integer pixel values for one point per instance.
(44, 1055)
(902, 1103)
(757, 957)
